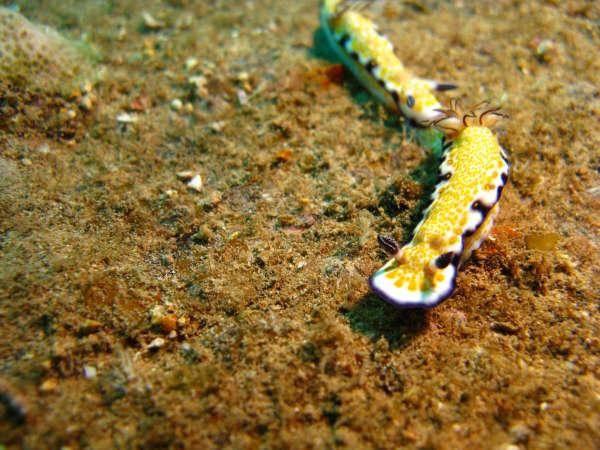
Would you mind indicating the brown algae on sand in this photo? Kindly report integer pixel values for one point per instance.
(46, 80)
(38, 58)
(283, 346)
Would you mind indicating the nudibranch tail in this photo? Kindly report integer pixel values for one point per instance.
(371, 58)
(419, 279)
(464, 204)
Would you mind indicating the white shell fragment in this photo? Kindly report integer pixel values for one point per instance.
(126, 118)
(150, 23)
(185, 175)
(156, 344)
(195, 183)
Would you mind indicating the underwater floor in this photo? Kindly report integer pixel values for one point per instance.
(190, 198)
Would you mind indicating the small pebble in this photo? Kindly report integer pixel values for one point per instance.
(199, 84)
(185, 175)
(544, 49)
(89, 372)
(520, 433)
(160, 319)
(43, 149)
(150, 23)
(86, 87)
(126, 118)
(89, 326)
(216, 126)
(195, 183)
(186, 347)
(49, 385)
(284, 155)
(242, 97)
(86, 102)
(189, 353)
(191, 63)
(156, 314)
(176, 104)
(141, 103)
(169, 323)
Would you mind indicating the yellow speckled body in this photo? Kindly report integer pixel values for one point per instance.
(370, 56)
(473, 173)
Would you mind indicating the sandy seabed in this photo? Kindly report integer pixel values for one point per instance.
(139, 313)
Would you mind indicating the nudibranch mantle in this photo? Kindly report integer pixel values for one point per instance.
(371, 58)
(464, 204)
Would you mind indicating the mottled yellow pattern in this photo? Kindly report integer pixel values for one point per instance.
(458, 220)
(370, 56)
(475, 164)
(366, 41)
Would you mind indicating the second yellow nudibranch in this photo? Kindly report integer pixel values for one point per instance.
(371, 58)
(464, 204)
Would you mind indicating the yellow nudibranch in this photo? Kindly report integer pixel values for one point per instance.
(371, 58)
(464, 204)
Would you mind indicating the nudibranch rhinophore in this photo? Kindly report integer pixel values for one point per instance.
(464, 204)
(371, 58)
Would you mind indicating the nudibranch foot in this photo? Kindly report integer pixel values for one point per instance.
(410, 285)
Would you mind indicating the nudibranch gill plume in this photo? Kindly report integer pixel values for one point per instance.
(464, 204)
